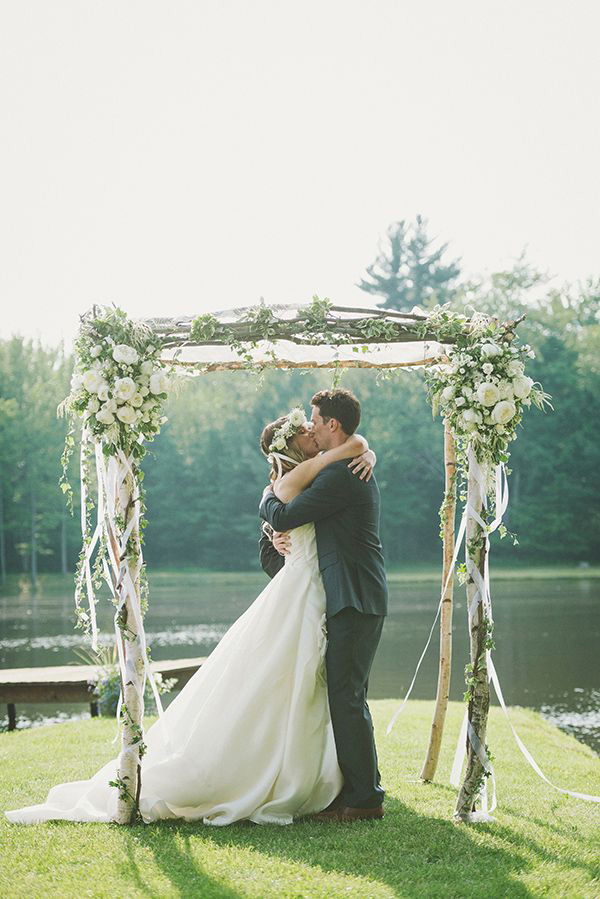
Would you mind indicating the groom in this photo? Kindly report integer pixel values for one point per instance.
(345, 510)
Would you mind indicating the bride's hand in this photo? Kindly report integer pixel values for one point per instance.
(364, 464)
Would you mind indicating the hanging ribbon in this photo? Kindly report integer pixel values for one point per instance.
(116, 572)
(457, 545)
(482, 594)
(86, 571)
(278, 457)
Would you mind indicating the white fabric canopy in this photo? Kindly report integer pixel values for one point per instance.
(377, 355)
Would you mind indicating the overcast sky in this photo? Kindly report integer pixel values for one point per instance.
(176, 157)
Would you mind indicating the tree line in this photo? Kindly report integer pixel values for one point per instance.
(204, 475)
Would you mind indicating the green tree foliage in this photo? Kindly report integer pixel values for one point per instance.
(34, 379)
(409, 271)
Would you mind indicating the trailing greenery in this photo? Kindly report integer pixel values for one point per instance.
(542, 843)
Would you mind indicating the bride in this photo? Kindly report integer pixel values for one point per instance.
(250, 735)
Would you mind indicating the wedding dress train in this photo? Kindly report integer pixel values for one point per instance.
(249, 736)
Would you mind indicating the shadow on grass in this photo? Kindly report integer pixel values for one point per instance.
(173, 855)
(410, 853)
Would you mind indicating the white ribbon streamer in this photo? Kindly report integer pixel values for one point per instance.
(459, 755)
(116, 573)
(483, 595)
(586, 796)
(278, 457)
(457, 545)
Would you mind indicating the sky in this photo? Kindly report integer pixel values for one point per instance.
(180, 157)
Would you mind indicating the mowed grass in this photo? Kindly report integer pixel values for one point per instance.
(425, 572)
(542, 844)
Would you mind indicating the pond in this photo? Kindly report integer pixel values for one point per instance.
(547, 634)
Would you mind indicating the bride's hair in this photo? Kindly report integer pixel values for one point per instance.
(266, 439)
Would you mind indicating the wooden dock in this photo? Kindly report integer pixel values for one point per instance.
(69, 683)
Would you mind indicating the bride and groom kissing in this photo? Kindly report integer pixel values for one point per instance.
(275, 725)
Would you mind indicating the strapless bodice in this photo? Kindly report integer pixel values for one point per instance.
(304, 545)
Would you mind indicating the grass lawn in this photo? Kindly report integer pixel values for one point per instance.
(542, 843)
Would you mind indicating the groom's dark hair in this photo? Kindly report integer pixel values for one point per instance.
(339, 404)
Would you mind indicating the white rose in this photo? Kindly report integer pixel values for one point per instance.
(159, 382)
(487, 368)
(103, 391)
(472, 415)
(92, 379)
(149, 404)
(136, 400)
(447, 393)
(127, 414)
(503, 412)
(124, 388)
(110, 405)
(144, 391)
(76, 381)
(500, 429)
(460, 401)
(515, 368)
(522, 387)
(297, 417)
(279, 443)
(93, 404)
(124, 353)
(487, 394)
(95, 351)
(147, 367)
(490, 349)
(105, 417)
(506, 391)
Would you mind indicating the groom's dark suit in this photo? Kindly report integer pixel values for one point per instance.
(345, 510)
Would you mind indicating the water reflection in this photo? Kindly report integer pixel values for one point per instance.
(547, 636)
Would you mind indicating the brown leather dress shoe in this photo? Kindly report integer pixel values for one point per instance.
(345, 813)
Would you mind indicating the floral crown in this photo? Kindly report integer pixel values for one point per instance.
(294, 420)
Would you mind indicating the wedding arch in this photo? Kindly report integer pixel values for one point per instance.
(475, 376)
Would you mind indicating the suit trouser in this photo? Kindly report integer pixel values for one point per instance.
(352, 640)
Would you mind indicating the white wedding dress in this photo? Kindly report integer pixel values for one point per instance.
(249, 736)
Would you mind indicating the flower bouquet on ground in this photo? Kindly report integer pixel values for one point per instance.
(105, 684)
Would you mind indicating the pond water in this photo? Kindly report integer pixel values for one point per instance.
(547, 634)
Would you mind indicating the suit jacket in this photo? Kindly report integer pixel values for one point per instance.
(345, 511)
(270, 560)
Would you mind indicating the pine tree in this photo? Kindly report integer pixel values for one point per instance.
(410, 272)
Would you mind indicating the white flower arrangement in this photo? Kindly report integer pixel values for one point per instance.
(481, 389)
(294, 420)
(119, 384)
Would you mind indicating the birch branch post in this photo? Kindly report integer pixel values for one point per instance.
(445, 665)
(132, 690)
(477, 679)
